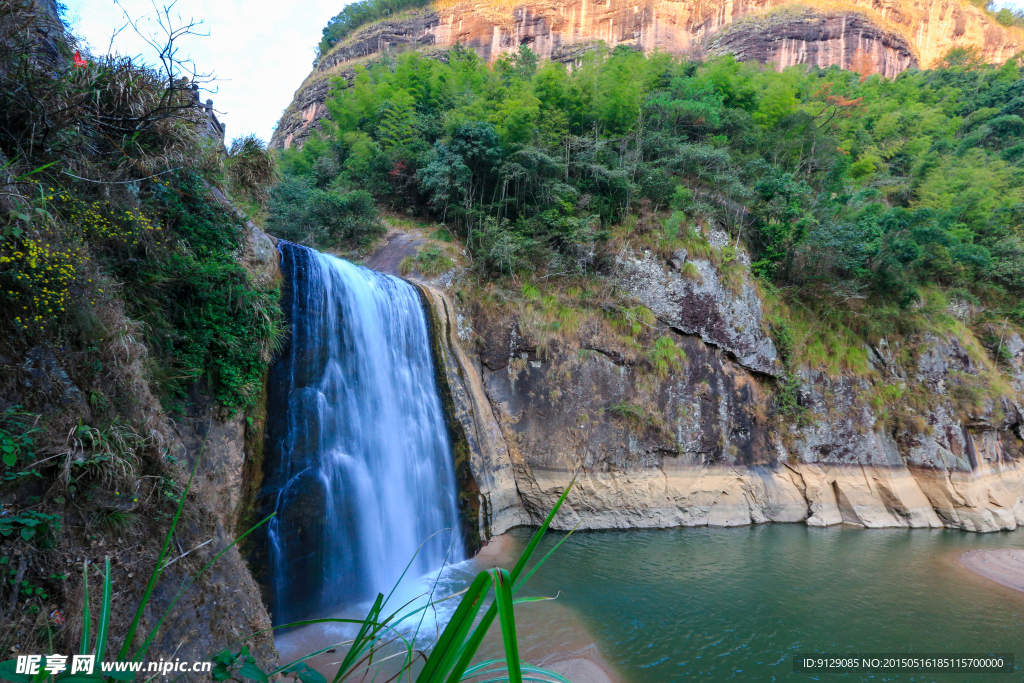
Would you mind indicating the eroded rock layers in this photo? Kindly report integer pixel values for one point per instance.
(849, 41)
(881, 37)
(704, 445)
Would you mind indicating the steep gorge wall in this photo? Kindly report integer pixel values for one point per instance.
(789, 38)
(217, 609)
(490, 490)
(893, 35)
(702, 446)
(224, 607)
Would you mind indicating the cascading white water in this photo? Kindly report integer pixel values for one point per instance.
(358, 461)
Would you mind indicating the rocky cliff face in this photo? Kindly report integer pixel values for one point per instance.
(703, 444)
(702, 305)
(225, 606)
(889, 36)
(803, 37)
(490, 491)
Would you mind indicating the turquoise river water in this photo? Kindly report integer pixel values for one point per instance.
(736, 604)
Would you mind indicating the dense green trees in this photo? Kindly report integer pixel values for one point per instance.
(864, 184)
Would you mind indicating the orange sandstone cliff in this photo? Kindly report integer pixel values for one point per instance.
(893, 34)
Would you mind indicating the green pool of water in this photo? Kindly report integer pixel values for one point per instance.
(736, 604)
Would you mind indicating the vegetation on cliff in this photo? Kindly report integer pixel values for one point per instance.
(124, 289)
(859, 198)
(107, 208)
(357, 14)
(1007, 16)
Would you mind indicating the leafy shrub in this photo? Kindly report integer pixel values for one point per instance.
(206, 317)
(1009, 17)
(251, 168)
(430, 261)
(30, 525)
(16, 437)
(301, 212)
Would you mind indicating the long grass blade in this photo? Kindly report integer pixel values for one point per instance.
(535, 541)
(472, 645)
(85, 608)
(281, 669)
(502, 679)
(307, 622)
(483, 669)
(158, 569)
(41, 168)
(454, 634)
(507, 619)
(101, 629)
(430, 604)
(546, 557)
(479, 668)
(539, 598)
(362, 672)
(545, 672)
(358, 646)
(407, 566)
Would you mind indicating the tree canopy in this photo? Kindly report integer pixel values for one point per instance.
(831, 178)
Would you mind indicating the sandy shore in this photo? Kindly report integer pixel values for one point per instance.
(1002, 566)
(581, 671)
(500, 551)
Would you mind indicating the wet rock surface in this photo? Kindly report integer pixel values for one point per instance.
(491, 489)
(705, 446)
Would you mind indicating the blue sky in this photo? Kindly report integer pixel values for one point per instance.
(260, 51)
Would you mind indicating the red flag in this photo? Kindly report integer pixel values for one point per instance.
(79, 61)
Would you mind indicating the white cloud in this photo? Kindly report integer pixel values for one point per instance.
(259, 51)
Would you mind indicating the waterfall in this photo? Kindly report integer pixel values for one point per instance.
(358, 464)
